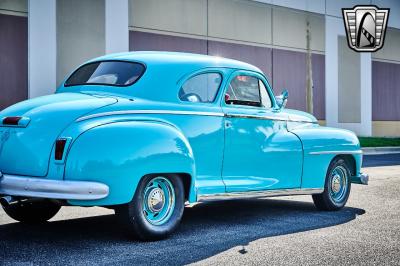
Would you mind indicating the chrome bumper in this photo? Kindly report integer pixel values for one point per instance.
(52, 189)
(360, 179)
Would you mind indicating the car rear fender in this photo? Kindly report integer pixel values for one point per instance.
(119, 154)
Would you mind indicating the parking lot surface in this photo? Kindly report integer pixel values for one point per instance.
(287, 230)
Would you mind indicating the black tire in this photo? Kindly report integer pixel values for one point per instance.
(133, 217)
(32, 212)
(326, 201)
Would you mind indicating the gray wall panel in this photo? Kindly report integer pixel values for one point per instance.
(80, 33)
(289, 72)
(290, 29)
(391, 47)
(239, 20)
(13, 60)
(349, 88)
(143, 41)
(385, 91)
(14, 5)
(183, 16)
(258, 56)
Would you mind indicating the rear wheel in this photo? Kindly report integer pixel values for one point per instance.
(337, 186)
(32, 211)
(156, 208)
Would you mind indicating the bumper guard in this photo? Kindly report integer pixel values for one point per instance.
(360, 179)
(23, 186)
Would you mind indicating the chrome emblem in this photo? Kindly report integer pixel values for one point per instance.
(365, 27)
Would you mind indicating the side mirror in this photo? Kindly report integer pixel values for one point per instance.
(281, 100)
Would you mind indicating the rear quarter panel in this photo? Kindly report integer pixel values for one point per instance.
(119, 154)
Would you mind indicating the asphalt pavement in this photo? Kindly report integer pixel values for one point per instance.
(277, 231)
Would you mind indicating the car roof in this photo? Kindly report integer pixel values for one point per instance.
(156, 58)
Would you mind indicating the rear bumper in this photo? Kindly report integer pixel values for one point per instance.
(360, 179)
(22, 186)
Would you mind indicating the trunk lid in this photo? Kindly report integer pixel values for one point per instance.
(25, 149)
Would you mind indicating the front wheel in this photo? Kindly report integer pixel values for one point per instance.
(32, 211)
(337, 187)
(156, 208)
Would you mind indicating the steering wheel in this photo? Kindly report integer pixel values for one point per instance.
(191, 97)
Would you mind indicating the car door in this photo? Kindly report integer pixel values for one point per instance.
(259, 152)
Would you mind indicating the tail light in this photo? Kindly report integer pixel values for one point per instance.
(11, 120)
(15, 121)
(60, 147)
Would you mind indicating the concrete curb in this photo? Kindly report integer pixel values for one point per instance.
(380, 150)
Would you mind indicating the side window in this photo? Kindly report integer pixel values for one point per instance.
(244, 90)
(201, 88)
(265, 99)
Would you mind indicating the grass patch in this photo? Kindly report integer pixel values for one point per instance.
(378, 142)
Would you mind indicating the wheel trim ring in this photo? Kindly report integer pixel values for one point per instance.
(158, 216)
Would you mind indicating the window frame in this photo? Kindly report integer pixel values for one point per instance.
(261, 78)
(197, 73)
(105, 84)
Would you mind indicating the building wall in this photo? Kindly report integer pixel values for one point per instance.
(245, 30)
(386, 86)
(13, 52)
(80, 33)
(15, 7)
(240, 21)
(270, 34)
(184, 16)
(349, 84)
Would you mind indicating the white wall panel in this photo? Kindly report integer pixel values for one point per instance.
(41, 48)
(116, 26)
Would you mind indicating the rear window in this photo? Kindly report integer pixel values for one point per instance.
(114, 73)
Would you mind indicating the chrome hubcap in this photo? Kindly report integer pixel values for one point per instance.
(158, 200)
(338, 186)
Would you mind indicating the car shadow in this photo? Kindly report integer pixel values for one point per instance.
(206, 230)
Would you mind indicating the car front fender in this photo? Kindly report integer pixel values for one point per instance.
(119, 154)
(320, 146)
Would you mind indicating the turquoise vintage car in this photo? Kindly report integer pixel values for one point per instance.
(145, 133)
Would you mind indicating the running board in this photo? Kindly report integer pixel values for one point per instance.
(259, 194)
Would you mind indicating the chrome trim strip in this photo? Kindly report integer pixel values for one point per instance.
(335, 152)
(259, 194)
(53, 189)
(174, 112)
(260, 117)
(266, 117)
(177, 112)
